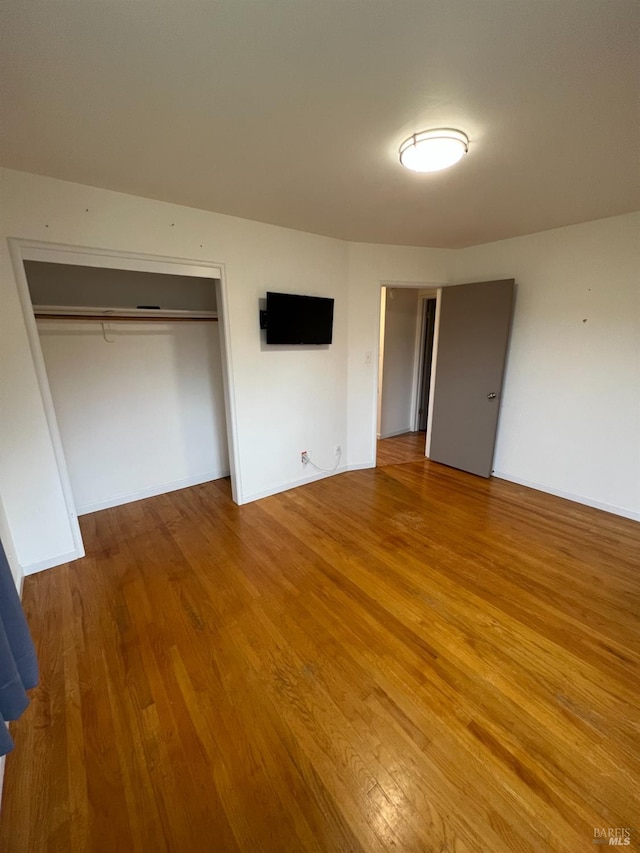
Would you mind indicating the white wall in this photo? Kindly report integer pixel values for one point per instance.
(570, 415)
(398, 379)
(284, 401)
(140, 415)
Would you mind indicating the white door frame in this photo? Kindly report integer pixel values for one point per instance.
(431, 290)
(35, 250)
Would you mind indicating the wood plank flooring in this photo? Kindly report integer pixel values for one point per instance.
(407, 658)
(409, 447)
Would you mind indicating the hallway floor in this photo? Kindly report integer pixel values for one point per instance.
(399, 449)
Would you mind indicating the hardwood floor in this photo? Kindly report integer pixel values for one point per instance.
(408, 447)
(407, 658)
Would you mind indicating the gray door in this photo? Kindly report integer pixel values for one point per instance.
(475, 320)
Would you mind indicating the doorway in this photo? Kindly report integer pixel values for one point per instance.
(470, 341)
(405, 368)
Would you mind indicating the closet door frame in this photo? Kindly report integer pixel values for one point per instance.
(35, 250)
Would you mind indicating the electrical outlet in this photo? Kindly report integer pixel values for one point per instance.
(304, 457)
(337, 450)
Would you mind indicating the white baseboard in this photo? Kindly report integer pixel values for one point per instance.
(50, 562)
(292, 484)
(560, 493)
(151, 492)
(303, 481)
(360, 466)
(395, 432)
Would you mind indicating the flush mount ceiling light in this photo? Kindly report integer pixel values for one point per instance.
(432, 150)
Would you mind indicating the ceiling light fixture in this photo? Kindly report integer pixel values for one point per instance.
(432, 150)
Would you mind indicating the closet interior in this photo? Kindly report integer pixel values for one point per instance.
(134, 366)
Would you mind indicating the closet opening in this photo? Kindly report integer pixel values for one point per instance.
(132, 365)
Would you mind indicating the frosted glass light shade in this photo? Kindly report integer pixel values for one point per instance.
(433, 150)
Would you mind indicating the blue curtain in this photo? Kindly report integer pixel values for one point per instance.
(18, 664)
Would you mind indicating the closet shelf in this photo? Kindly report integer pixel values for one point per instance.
(127, 315)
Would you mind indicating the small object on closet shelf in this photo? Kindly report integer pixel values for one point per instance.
(149, 307)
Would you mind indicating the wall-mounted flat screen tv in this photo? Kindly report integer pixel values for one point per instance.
(293, 319)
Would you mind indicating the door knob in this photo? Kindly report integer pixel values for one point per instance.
(492, 395)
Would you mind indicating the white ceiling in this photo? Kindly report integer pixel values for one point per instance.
(292, 112)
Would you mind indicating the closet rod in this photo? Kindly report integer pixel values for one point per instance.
(114, 318)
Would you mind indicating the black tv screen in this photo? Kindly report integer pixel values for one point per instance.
(293, 319)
